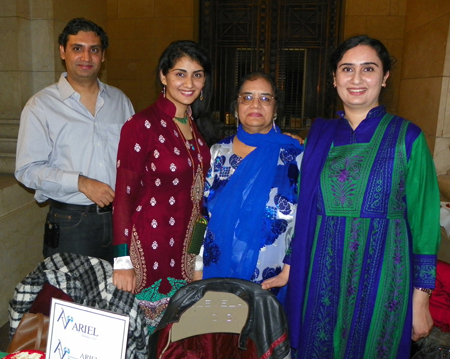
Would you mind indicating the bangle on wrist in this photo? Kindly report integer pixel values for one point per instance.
(429, 291)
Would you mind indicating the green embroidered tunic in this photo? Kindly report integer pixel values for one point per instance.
(377, 234)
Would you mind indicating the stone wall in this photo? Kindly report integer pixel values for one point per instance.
(139, 32)
(21, 230)
(424, 90)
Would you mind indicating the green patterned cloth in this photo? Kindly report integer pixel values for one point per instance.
(376, 236)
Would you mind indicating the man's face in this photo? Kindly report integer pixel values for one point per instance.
(83, 56)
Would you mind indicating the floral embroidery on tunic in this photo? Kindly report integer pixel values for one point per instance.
(154, 303)
(344, 173)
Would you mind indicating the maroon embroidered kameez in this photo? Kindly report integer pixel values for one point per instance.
(160, 178)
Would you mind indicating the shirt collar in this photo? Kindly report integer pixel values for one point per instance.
(66, 90)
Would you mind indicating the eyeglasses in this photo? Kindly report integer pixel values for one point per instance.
(264, 100)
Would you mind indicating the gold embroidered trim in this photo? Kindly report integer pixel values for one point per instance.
(188, 260)
(138, 260)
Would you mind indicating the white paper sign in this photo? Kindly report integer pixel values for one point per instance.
(81, 332)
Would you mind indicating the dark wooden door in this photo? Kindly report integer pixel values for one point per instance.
(289, 39)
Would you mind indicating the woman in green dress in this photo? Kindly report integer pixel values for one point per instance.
(364, 254)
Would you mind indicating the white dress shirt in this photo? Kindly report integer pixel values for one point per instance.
(59, 139)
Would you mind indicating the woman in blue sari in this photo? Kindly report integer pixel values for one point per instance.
(251, 192)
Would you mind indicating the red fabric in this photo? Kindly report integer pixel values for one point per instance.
(206, 346)
(269, 352)
(440, 300)
(152, 204)
(43, 300)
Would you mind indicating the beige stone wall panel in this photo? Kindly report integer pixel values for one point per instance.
(9, 38)
(94, 10)
(9, 8)
(392, 93)
(375, 7)
(419, 102)
(442, 147)
(156, 28)
(446, 71)
(21, 234)
(112, 9)
(135, 9)
(174, 8)
(44, 49)
(10, 104)
(398, 7)
(425, 48)
(123, 49)
(184, 28)
(122, 69)
(146, 67)
(386, 27)
(161, 44)
(443, 125)
(421, 12)
(37, 9)
(355, 25)
(122, 29)
(31, 83)
(441, 154)
(25, 45)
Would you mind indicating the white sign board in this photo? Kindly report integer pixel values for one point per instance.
(81, 332)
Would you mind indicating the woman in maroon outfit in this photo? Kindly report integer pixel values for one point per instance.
(161, 166)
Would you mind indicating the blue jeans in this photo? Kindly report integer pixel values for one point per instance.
(84, 233)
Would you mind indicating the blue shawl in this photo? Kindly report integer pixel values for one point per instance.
(235, 228)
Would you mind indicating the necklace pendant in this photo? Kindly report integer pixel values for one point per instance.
(189, 145)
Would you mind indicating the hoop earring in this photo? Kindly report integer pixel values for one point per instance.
(237, 119)
(164, 91)
(201, 95)
(273, 124)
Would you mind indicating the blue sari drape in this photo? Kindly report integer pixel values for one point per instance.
(235, 227)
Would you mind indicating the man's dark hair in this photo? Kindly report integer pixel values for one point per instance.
(78, 24)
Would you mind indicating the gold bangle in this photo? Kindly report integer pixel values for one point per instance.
(429, 291)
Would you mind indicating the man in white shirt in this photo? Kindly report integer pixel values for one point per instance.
(67, 146)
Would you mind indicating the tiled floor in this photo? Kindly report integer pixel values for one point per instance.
(4, 337)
